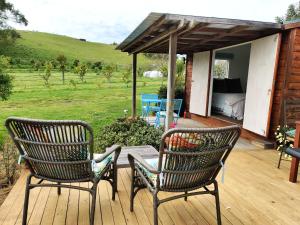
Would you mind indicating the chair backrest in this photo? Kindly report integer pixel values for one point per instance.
(190, 158)
(177, 103)
(149, 96)
(54, 149)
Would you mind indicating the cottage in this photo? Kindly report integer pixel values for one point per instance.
(261, 85)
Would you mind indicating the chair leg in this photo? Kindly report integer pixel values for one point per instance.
(94, 198)
(280, 158)
(58, 189)
(26, 200)
(155, 206)
(132, 190)
(217, 203)
(115, 182)
(185, 197)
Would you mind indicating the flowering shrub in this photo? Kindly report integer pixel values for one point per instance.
(128, 132)
(281, 138)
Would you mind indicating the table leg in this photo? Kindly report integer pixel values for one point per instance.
(294, 170)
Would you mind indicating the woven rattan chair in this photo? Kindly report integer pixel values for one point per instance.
(61, 153)
(189, 159)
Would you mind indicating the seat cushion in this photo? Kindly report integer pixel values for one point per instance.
(151, 176)
(99, 167)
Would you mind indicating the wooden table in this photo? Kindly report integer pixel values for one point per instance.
(295, 161)
(146, 151)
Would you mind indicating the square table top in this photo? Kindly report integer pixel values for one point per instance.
(146, 152)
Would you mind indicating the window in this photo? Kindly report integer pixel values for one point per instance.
(221, 68)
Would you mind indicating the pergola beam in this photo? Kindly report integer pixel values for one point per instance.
(134, 62)
(171, 79)
(161, 37)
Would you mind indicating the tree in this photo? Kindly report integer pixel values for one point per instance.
(107, 72)
(6, 85)
(126, 76)
(292, 13)
(75, 63)
(37, 65)
(47, 74)
(62, 63)
(97, 67)
(9, 13)
(81, 70)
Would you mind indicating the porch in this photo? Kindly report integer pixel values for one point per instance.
(254, 192)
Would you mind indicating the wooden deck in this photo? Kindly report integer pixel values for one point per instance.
(254, 192)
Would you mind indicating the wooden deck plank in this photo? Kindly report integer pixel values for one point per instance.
(116, 206)
(138, 209)
(73, 208)
(254, 192)
(37, 213)
(163, 216)
(84, 205)
(12, 197)
(62, 207)
(34, 194)
(50, 208)
(106, 211)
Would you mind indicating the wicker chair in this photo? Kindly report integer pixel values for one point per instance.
(188, 159)
(61, 152)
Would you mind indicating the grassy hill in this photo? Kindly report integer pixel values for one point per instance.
(45, 46)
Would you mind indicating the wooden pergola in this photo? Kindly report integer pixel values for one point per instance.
(182, 34)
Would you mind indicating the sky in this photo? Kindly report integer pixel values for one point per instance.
(113, 20)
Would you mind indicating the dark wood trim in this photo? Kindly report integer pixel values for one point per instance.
(287, 72)
(273, 83)
(291, 26)
(295, 161)
(134, 62)
(215, 122)
(209, 82)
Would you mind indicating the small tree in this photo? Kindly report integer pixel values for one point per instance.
(140, 71)
(107, 72)
(47, 74)
(126, 76)
(37, 65)
(292, 13)
(62, 63)
(75, 63)
(81, 70)
(5, 79)
(97, 67)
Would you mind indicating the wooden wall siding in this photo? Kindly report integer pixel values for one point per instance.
(292, 87)
(287, 87)
(276, 115)
(188, 82)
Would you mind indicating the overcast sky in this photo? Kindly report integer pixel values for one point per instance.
(112, 20)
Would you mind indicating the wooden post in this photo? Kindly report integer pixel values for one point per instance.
(295, 161)
(134, 85)
(171, 79)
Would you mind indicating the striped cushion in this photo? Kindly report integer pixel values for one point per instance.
(99, 167)
(151, 176)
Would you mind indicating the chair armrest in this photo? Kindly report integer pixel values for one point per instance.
(295, 152)
(132, 157)
(113, 149)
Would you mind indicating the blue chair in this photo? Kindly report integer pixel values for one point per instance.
(163, 111)
(146, 107)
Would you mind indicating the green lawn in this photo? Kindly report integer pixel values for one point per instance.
(46, 46)
(95, 101)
